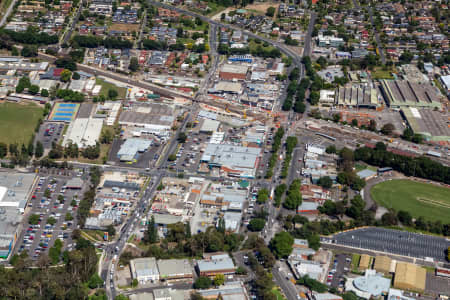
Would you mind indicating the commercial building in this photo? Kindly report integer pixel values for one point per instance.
(144, 269)
(409, 277)
(363, 96)
(370, 285)
(432, 125)
(233, 72)
(441, 271)
(10, 220)
(237, 161)
(228, 291)
(75, 183)
(308, 208)
(209, 126)
(401, 93)
(382, 264)
(366, 174)
(216, 264)
(84, 132)
(326, 97)
(445, 80)
(131, 148)
(175, 269)
(329, 41)
(307, 267)
(15, 189)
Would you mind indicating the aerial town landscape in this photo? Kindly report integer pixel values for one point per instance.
(218, 149)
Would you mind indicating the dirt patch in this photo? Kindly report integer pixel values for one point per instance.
(125, 27)
(433, 202)
(261, 7)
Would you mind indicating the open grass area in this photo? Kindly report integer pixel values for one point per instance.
(106, 86)
(360, 167)
(104, 151)
(277, 293)
(419, 199)
(379, 73)
(18, 122)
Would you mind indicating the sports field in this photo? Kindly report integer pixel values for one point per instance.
(419, 199)
(18, 121)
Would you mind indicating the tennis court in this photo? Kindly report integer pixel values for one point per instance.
(64, 112)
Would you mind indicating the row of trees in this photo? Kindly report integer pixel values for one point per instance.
(71, 150)
(259, 51)
(86, 41)
(422, 167)
(275, 147)
(31, 36)
(89, 196)
(291, 142)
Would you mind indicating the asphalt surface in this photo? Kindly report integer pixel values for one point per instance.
(396, 242)
(73, 25)
(287, 286)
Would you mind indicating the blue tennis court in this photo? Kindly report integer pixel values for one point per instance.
(64, 112)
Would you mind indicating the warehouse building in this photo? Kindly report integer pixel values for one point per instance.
(129, 151)
(432, 125)
(209, 126)
(216, 264)
(233, 72)
(153, 118)
(175, 269)
(84, 132)
(144, 269)
(237, 161)
(401, 93)
(409, 277)
(382, 264)
(363, 96)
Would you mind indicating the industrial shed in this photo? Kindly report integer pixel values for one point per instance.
(364, 262)
(409, 277)
(382, 264)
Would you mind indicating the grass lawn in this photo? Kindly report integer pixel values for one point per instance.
(278, 294)
(355, 262)
(360, 167)
(18, 121)
(104, 151)
(379, 73)
(106, 86)
(419, 199)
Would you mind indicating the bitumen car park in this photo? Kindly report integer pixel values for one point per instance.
(339, 268)
(50, 132)
(395, 242)
(189, 155)
(38, 238)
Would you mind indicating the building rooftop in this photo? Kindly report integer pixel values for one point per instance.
(129, 150)
(174, 268)
(15, 189)
(234, 68)
(216, 264)
(372, 283)
(145, 266)
(402, 93)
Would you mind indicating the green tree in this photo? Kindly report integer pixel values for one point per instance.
(33, 219)
(112, 94)
(263, 195)
(3, 150)
(135, 282)
(44, 93)
(281, 244)
(51, 221)
(325, 182)
(270, 12)
(134, 64)
(256, 224)
(172, 157)
(151, 234)
(219, 279)
(182, 137)
(331, 149)
(202, 282)
(293, 196)
(95, 281)
(65, 75)
(39, 151)
(76, 76)
(33, 89)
